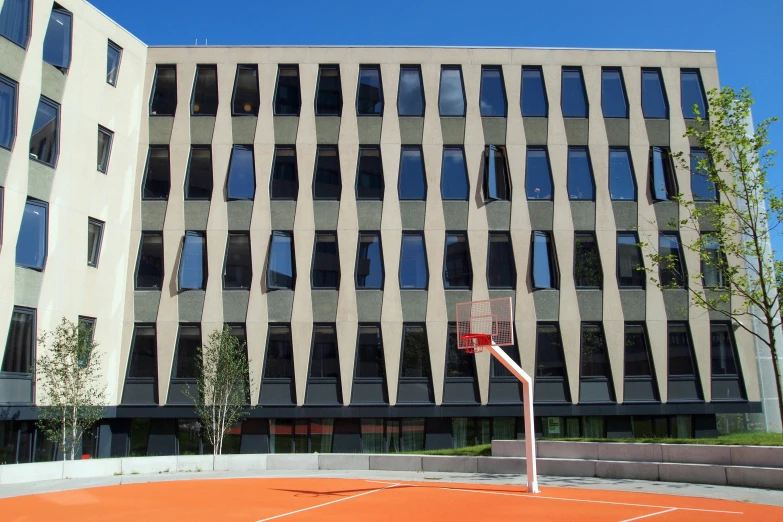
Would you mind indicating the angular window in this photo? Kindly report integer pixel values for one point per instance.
(451, 98)
(57, 43)
(497, 370)
(369, 177)
(31, 245)
(415, 352)
(663, 184)
(285, 181)
(534, 101)
(327, 183)
(629, 261)
(713, 263)
(241, 182)
(654, 103)
(538, 175)
(573, 98)
(328, 92)
(410, 98)
(702, 188)
(454, 174)
(205, 91)
(288, 98)
(144, 359)
(369, 356)
(671, 270)
(613, 99)
(94, 240)
(544, 265)
(188, 344)
(459, 363)
(163, 101)
(7, 112)
(15, 19)
(501, 268)
(324, 363)
(279, 353)
(369, 95)
(157, 179)
(692, 94)
(595, 359)
(580, 175)
(622, 184)
(413, 183)
(413, 261)
(246, 97)
(680, 351)
(238, 272)
(149, 268)
(45, 139)
(193, 264)
(587, 261)
(369, 263)
(105, 137)
(493, 92)
(637, 352)
(497, 185)
(326, 261)
(20, 344)
(198, 184)
(113, 57)
(726, 379)
(549, 352)
(457, 269)
(281, 269)
(86, 334)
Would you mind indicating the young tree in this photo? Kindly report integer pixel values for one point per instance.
(222, 386)
(71, 396)
(729, 219)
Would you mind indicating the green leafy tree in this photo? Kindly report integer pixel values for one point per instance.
(68, 383)
(731, 235)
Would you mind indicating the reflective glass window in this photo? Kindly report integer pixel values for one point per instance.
(369, 263)
(451, 98)
(410, 98)
(413, 261)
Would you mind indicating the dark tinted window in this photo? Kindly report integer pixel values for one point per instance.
(326, 261)
(45, 139)
(622, 185)
(493, 92)
(369, 177)
(369, 95)
(369, 263)
(7, 112)
(680, 352)
(637, 353)
(241, 182)
(20, 344)
(454, 174)
(205, 91)
(164, 91)
(245, 100)
(413, 261)
(722, 349)
(451, 98)
(702, 187)
(94, 238)
(544, 264)
(412, 184)
(285, 181)
(144, 363)
(193, 264)
(15, 21)
(654, 104)
(497, 185)
(587, 261)
(113, 55)
(104, 148)
(327, 183)
(459, 363)
(279, 353)
(613, 99)
(580, 175)
(199, 177)
(415, 352)
(31, 245)
(595, 359)
(663, 184)
(713, 263)
(369, 356)
(457, 270)
(157, 179)
(692, 94)
(573, 98)
(57, 43)
(410, 99)
(671, 271)
(149, 269)
(629, 261)
(324, 363)
(538, 176)
(281, 270)
(188, 344)
(328, 95)
(498, 370)
(288, 98)
(238, 272)
(501, 269)
(549, 352)
(534, 100)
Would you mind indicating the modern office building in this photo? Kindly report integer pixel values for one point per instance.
(333, 205)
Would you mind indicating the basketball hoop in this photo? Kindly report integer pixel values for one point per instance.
(474, 342)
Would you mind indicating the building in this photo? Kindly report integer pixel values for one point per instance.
(333, 205)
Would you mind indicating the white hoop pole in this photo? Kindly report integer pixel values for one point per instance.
(527, 398)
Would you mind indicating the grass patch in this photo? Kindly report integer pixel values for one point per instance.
(482, 450)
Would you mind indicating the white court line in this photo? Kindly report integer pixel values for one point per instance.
(392, 483)
(327, 503)
(650, 515)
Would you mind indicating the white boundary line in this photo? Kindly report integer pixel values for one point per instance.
(327, 503)
(650, 515)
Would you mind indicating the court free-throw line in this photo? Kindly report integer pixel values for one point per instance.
(650, 515)
(327, 503)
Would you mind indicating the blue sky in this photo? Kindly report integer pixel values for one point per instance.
(747, 37)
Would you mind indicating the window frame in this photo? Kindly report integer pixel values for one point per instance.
(461, 149)
(14, 113)
(310, 376)
(738, 375)
(695, 376)
(154, 89)
(498, 68)
(590, 172)
(29, 30)
(704, 239)
(618, 70)
(588, 233)
(186, 187)
(384, 373)
(617, 260)
(204, 260)
(110, 134)
(45, 206)
(199, 68)
(681, 270)
(464, 234)
(274, 326)
(659, 73)
(414, 67)
(648, 350)
(63, 11)
(560, 352)
(280, 67)
(574, 68)
(335, 67)
(376, 233)
(99, 243)
(697, 72)
(252, 150)
(128, 368)
(225, 259)
(705, 175)
(554, 268)
(513, 265)
(627, 151)
(277, 149)
(249, 67)
(336, 150)
(138, 261)
(490, 151)
(358, 164)
(112, 45)
(290, 234)
(609, 377)
(175, 377)
(543, 85)
(332, 233)
(418, 148)
(451, 328)
(32, 312)
(56, 142)
(144, 197)
(405, 326)
(669, 174)
(545, 149)
(458, 68)
(376, 67)
(418, 233)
